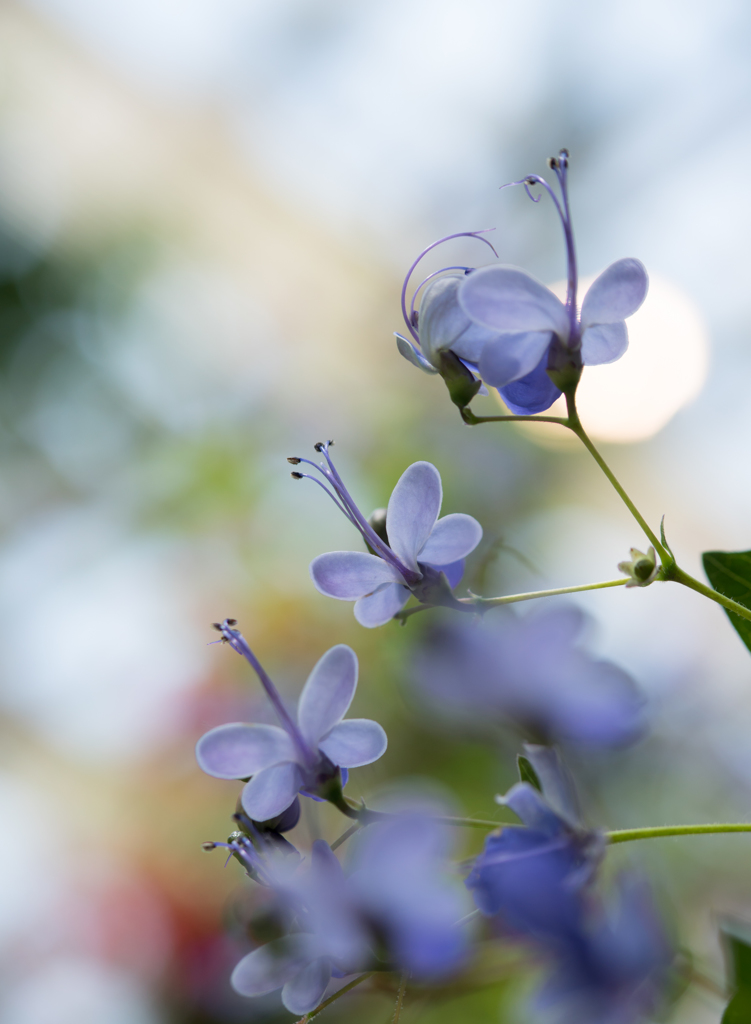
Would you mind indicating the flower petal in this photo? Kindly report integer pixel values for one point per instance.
(271, 791)
(604, 343)
(510, 299)
(305, 991)
(441, 318)
(353, 743)
(513, 356)
(532, 809)
(413, 509)
(376, 609)
(328, 693)
(273, 965)
(413, 355)
(348, 575)
(616, 293)
(237, 750)
(454, 572)
(452, 538)
(534, 393)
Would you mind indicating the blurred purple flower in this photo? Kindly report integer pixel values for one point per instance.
(304, 755)
(397, 902)
(536, 881)
(418, 546)
(510, 329)
(530, 671)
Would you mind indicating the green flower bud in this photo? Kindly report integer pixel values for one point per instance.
(642, 568)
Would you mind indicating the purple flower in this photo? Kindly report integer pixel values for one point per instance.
(418, 548)
(532, 672)
(536, 881)
(510, 329)
(396, 909)
(304, 756)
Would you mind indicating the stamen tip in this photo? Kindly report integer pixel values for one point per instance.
(208, 846)
(294, 460)
(296, 476)
(217, 626)
(230, 622)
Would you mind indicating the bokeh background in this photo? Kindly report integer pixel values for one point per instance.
(206, 210)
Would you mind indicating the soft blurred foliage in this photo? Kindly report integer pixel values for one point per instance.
(206, 212)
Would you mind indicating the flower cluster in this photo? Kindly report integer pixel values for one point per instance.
(395, 905)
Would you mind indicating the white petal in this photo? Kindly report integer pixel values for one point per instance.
(305, 991)
(413, 509)
(348, 575)
(453, 537)
(513, 356)
(441, 319)
(616, 293)
(355, 742)
(328, 693)
(510, 299)
(412, 355)
(271, 791)
(604, 343)
(237, 750)
(376, 609)
(273, 965)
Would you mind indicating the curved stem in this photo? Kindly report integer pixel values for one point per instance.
(627, 835)
(574, 424)
(327, 1002)
(469, 417)
(679, 576)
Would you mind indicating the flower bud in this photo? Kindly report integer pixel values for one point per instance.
(461, 382)
(642, 568)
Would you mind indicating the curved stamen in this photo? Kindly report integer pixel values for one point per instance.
(339, 505)
(535, 179)
(366, 529)
(428, 278)
(460, 234)
(239, 644)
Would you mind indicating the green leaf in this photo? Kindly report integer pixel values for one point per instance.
(738, 1010)
(729, 572)
(527, 772)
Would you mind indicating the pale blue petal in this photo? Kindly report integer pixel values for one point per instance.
(355, 742)
(454, 572)
(470, 343)
(328, 693)
(453, 537)
(348, 575)
(616, 293)
(412, 355)
(413, 509)
(305, 991)
(534, 393)
(531, 808)
(513, 356)
(604, 343)
(376, 609)
(510, 299)
(273, 965)
(441, 318)
(557, 784)
(237, 750)
(271, 791)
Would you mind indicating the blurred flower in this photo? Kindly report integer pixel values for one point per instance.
(537, 880)
(395, 910)
(303, 756)
(532, 672)
(511, 330)
(416, 546)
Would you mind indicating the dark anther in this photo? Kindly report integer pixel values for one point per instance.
(414, 318)
(231, 622)
(331, 442)
(294, 460)
(319, 446)
(530, 181)
(217, 626)
(552, 163)
(208, 846)
(563, 154)
(296, 476)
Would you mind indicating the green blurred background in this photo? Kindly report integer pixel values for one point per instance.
(206, 210)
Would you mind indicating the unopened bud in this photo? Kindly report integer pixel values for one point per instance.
(377, 520)
(642, 568)
(461, 382)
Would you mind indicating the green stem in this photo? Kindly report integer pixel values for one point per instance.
(345, 835)
(574, 424)
(400, 999)
(627, 835)
(480, 604)
(469, 417)
(327, 1002)
(679, 576)
(473, 822)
